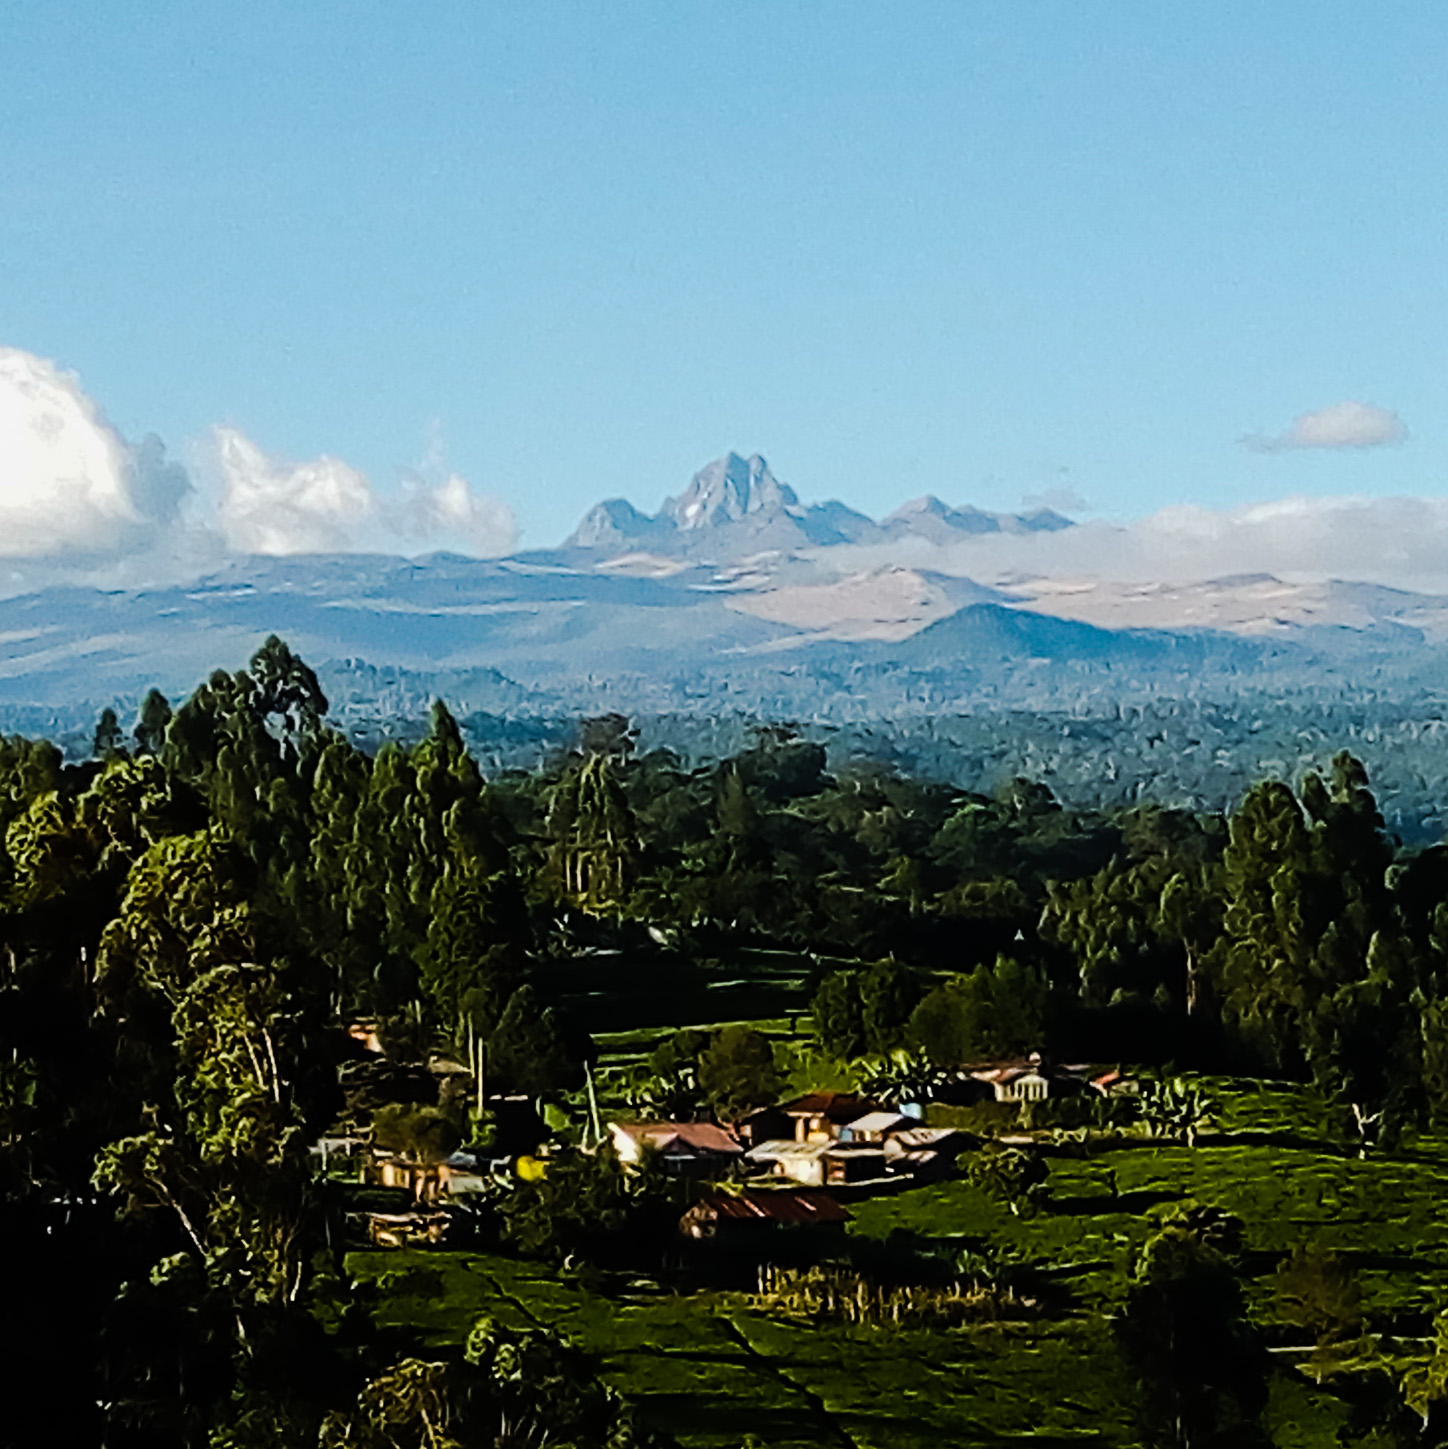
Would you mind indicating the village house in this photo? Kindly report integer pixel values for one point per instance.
(753, 1210)
(869, 1148)
(680, 1147)
(817, 1117)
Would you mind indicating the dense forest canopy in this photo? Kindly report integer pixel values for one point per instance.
(191, 915)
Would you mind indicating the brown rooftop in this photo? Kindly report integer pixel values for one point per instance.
(780, 1205)
(836, 1106)
(701, 1136)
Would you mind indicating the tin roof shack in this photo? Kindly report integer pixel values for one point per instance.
(819, 1116)
(875, 1126)
(682, 1148)
(923, 1153)
(821, 1164)
(852, 1162)
(784, 1157)
(766, 1209)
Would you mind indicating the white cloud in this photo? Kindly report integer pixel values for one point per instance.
(1343, 425)
(69, 483)
(327, 506)
(78, 500)
(279, 508)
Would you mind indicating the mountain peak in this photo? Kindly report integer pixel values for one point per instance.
(918, 507)
(729, 490)
(613, 522)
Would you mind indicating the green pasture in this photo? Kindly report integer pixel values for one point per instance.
(711, 1371)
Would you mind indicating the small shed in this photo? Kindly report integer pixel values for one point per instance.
(365, 1034)
(846, 1162)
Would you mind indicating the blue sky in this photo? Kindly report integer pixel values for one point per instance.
(990, 251)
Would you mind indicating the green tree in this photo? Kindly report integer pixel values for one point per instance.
(1316, 1290)
(108, 741)
(526, 1388)
(1184, 1330)
(150, 728)
(418, 1132)
(838, 1016)
(527, 1050)
(738, 1073)
(586, 1205)
(1011, 1176)
(595, 849)
(991, 1012)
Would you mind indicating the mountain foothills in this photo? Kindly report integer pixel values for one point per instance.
(317, 1068)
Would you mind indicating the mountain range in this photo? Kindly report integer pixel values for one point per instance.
(733, 596)
(736, 506)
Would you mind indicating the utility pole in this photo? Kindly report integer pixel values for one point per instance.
(593, 1104)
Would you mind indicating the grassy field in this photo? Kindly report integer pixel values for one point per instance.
(711, 1371)
(712, 1368)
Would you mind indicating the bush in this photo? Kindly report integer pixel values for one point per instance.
(984, 1119)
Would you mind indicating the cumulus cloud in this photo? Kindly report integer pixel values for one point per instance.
(326, 506)
(80, 501)
(69, 483)
(278, 508)
(1343, 425)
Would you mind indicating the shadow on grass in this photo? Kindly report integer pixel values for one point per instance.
(727, 1420)
(1105, 1203)
(1292, 1141)
(722, 1417)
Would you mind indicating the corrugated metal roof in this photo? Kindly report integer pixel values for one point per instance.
(782, 1205)
(876, 1122)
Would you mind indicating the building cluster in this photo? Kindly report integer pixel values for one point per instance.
(792, 1163)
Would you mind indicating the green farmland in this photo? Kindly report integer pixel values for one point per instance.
(712, 1367)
